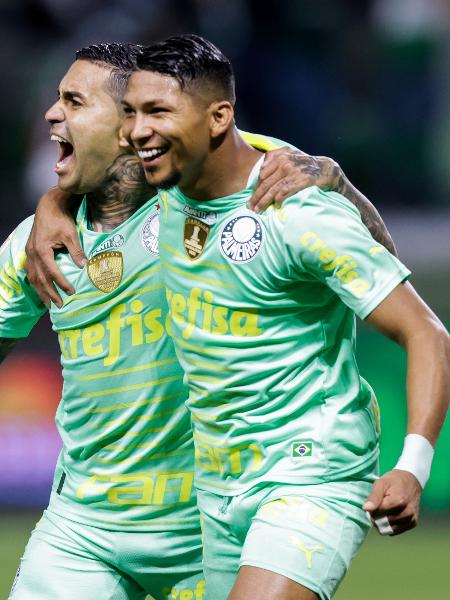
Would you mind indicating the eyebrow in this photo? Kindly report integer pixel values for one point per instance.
(71, 95)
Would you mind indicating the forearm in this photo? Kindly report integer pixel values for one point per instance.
(428, 382)
(405, 318)
(55, 200)
(369, 214)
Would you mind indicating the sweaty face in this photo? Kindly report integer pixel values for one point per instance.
(85, 122)
(168, 128)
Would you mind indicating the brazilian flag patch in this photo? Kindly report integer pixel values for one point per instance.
(301, 449)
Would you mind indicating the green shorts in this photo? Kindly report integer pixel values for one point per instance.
(308, 533)
(65, 560)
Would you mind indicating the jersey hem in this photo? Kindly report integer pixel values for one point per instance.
(370, 464)
(167, 524)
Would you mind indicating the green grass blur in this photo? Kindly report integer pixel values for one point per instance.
(414, 566)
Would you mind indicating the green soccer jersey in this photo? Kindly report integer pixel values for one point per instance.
(127, 458)
(262, 315)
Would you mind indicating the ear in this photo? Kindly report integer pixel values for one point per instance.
(221, 117)
(122, 141)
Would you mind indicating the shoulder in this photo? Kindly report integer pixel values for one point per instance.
(312, 203)
(266, 143)
(16, 241)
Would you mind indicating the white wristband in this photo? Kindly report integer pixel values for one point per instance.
(416, 457)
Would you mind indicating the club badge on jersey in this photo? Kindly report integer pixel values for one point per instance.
(241, 238)
(195, 235)
(150, 233)
(105, 270)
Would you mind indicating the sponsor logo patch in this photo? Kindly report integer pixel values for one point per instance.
(241, 238)
(150, 234)
(208, 217)
(115, 242)
(195, 236)
(301, 449)
(105, 270)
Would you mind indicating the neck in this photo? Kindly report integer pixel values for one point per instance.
(224, 171)
(123, 191)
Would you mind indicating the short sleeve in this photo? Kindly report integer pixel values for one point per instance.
(20, 306)
(325, 237)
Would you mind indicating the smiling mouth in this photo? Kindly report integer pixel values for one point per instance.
(65, 152)
(151, 154)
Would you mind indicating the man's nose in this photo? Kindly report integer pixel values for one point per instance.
(55, 114)
(141, 130)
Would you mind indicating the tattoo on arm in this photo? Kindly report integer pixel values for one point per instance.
(327, 174)
(6, 345)
(369, 214)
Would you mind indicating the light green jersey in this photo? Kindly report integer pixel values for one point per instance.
(262, 315)
(127, 456)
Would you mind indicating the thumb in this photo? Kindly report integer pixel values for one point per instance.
(376, 496)
(76, 252)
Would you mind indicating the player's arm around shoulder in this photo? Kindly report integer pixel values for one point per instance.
(54, 228)
(405, 318)
(20, 307)
(287, 170)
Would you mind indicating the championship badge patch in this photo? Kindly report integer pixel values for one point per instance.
(241, 238)
(195, 236)
(105, 270)
(150, 234)
(301, 449)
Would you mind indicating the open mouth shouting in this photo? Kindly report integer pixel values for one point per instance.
(65, 153)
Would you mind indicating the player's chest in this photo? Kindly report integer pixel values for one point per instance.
(232, 255)
(121, 268)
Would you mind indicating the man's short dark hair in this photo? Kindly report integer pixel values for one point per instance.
(190, 59)
(120, 58)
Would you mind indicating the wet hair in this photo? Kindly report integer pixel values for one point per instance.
(120, 58)
(191, 60)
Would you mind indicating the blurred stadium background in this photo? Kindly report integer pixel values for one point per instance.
(364, 81)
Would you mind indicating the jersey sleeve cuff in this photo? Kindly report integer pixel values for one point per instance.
(399, 277)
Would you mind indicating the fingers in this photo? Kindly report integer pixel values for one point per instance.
(375, 498)
(276, 167)
(42, 272)
(284, 173)
(393, 504)
(52, 274)
(395, 524)
(273, 190)
(76, 252)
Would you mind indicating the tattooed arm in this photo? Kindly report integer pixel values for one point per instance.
(6, 345)
(287, 171)
(369, 214)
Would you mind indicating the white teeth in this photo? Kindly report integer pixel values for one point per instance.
(56, 138)
(150, 153)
